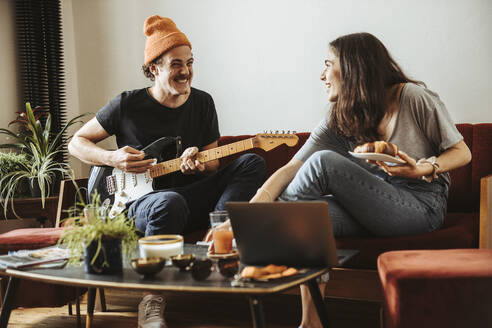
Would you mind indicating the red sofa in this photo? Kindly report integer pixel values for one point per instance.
(460, 230)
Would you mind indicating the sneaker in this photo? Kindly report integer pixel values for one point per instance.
(151, 312)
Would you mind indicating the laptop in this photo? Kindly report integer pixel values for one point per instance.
(285, 233)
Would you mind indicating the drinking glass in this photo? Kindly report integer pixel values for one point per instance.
(217, 218)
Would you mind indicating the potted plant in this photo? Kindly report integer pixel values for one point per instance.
(41, 147)
(99, 239)
(13, 162)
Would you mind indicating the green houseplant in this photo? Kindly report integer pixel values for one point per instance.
(41, 148)
(13, 162)
(100, 240)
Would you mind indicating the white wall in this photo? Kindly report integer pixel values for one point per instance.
(71, 80)
(261, 60)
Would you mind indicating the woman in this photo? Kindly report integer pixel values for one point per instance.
(372, 99)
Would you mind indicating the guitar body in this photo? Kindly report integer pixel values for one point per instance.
(97, 182)
(118, 188)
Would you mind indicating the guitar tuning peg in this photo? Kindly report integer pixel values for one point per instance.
(288, 131)
(276, 132)
(271, 132)
(294, 132)
(283, 131)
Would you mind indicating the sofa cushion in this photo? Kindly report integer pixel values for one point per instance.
(29, 238)
(460, 230)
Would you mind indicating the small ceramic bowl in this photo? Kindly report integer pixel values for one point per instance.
(201, 268)
(148, 265)
(228, 267)
(161, 246)
(182, 260)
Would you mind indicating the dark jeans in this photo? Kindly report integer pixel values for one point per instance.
(178, 210)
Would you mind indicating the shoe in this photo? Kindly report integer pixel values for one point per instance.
(151, 312)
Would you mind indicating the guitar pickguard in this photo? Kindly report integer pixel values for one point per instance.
(128, 187)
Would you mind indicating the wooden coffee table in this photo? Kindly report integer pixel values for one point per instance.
(169, 279)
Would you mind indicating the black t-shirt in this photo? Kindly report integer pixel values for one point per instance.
(137, 119)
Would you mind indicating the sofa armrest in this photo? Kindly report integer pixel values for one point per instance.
(486, 212)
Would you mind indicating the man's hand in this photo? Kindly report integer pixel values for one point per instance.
(129, 159)
(189, 163)
(409, 170)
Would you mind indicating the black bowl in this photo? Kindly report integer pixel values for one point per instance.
(148, 265)
(182, 260)
(201, 268)
(228, 267)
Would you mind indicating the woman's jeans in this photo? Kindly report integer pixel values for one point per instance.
(183, 209)
(364, 200)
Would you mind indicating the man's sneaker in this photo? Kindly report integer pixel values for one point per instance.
(151, 312)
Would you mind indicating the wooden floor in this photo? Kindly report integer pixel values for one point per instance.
(216, 311)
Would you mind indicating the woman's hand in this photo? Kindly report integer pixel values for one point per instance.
(409, 170)
(210, 233)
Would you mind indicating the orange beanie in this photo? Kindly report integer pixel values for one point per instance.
(162, 35)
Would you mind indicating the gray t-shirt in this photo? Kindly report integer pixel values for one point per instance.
(423, 128)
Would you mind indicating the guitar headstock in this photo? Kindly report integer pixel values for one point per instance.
(268, 141)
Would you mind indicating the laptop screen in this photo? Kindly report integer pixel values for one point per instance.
(287, 233)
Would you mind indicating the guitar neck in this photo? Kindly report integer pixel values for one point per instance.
(173, 165)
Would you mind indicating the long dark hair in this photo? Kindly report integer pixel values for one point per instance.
(367, 71)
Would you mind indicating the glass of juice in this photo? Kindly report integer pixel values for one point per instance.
(222, 238)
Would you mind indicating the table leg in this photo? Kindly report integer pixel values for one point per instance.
(102, 299)
(256, 306)
(91, 300)
(318, 302)
(8, 301)
(77, 307)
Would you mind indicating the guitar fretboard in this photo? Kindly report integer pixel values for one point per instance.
(173, 165)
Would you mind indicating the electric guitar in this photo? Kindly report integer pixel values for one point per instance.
(117, 187)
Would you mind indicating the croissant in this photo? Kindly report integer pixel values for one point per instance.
(382, 147)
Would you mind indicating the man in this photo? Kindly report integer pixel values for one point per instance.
(171, 107)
